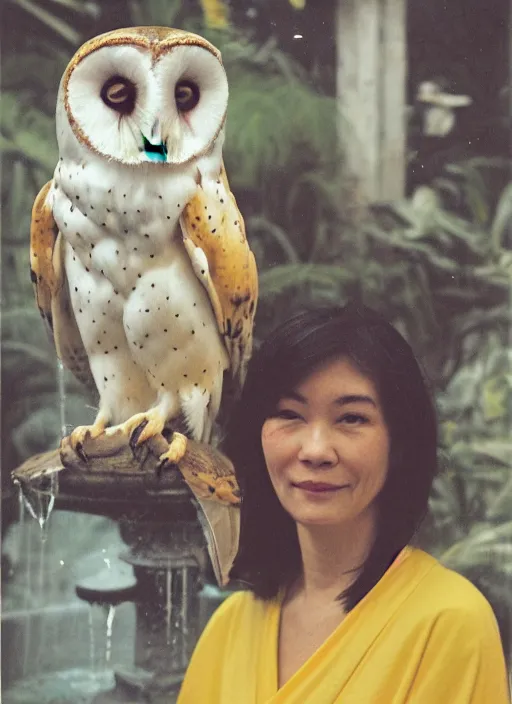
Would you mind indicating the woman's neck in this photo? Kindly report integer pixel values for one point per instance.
(332, 557)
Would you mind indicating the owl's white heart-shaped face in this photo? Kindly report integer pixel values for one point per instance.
(144, 95)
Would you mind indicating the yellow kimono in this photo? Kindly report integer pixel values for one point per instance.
(423, 635)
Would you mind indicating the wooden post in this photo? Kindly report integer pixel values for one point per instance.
(371, 74)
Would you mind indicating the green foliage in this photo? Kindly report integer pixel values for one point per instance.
(49, 15)
(260, 138)
(33, 417)
(27, 134)
(167, 13)
(457, 273)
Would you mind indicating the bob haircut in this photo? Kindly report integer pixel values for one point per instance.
(269, 557)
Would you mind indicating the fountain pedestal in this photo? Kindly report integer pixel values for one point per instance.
(164, 558)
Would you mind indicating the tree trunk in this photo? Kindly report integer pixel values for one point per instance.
(371, 75)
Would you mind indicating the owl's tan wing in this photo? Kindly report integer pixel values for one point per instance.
(216, 491)
(214, 236)
(51, 288)
(43, 234)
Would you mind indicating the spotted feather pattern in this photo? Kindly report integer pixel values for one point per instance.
(212, 222)
(51, 288)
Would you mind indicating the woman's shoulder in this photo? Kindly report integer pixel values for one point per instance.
(241, 605)
(443, 590)
(226, 651)
(238, 599)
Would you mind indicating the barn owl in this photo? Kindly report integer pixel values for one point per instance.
(139, 257)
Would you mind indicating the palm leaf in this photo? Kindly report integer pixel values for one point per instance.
(51, 20)
(28, 132)
(279, 279)
(259, 139)
(502, 222)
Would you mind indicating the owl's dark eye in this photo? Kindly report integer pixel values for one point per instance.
(186, 95)
(119, 94)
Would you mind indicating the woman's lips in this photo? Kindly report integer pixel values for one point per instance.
(318, 487)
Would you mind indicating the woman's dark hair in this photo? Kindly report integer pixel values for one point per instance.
(269, 557)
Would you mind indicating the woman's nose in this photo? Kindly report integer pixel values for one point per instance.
(316, 447)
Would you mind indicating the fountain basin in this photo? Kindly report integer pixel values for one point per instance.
(63, 639)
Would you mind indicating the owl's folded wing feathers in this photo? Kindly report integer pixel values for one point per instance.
(214, 236)
(43, 235)
(51, 288)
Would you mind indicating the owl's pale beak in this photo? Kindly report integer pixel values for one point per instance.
(154, 150)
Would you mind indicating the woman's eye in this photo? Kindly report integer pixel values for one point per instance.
(286, 414)
(353, 419)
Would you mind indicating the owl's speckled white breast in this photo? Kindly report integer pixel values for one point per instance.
(119, 219)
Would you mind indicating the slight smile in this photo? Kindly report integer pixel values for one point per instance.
(319, 487)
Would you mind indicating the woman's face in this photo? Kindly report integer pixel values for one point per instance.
(327, 446)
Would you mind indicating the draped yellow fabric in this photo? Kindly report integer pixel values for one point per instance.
(422, 635)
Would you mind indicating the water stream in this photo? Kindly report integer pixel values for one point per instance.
(111, 612)
(168, 606)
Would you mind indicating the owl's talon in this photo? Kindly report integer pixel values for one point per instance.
(79, 449)
(134, 437)
(142, 427)
(164, 466)
(176, 450)
(87, 432)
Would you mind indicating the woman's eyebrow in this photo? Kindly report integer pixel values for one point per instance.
(355, 398)
(340, 401)
(294, 396)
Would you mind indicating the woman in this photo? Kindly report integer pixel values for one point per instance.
(334, 445)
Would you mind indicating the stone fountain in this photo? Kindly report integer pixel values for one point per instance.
(166, 545)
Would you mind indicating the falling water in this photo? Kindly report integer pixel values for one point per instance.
(168, 606)
(61, 387)
(61, 391)
(111, 612)
(184, 601)
(26, 537)
(46, 503)
(184, 616)
(100, 676)
(21, 506)
(92, 649)
(26, 501)
(39, 635)
(40, 505)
